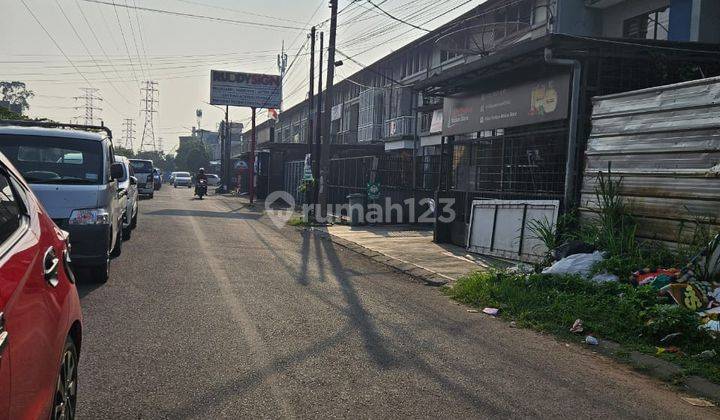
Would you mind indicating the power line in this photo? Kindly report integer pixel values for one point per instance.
(146, 75)
(127, 50)
(195, 16)
(82, 42)
(396, 18)
(54, 41)
(237, 11)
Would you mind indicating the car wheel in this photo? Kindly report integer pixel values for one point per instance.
(174, 185)
(151, 195)
(127, 232)
(100, 273)
(117, 249)
(66, 386)
(133, 222)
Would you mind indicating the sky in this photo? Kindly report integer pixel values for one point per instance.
(102, 44)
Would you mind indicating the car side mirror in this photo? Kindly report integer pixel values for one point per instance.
(133, 180)
(116, 171)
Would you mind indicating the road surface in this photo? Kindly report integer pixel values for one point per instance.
(213, 312)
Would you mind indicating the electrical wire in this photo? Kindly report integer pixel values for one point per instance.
(196, 16)
(396, 18)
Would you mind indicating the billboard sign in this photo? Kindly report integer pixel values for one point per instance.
(527, 103)
(250, 90)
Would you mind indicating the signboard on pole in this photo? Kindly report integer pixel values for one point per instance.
(251, 90)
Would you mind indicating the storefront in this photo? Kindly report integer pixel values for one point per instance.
(506, 118)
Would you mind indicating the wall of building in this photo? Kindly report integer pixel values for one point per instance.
(706, 21)
(613, 17)
(573, 17)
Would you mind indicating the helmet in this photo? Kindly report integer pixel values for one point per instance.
(201, 170)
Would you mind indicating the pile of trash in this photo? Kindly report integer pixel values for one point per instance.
(695, 286)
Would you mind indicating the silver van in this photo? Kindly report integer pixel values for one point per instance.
(145, 174)
(73, 172)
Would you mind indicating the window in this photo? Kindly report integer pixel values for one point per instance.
(55, 160)
(653, 25)
(9, 209)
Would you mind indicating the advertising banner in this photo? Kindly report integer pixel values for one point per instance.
(250, 90)
(528, 103)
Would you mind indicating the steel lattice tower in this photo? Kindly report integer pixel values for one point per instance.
(91, 97)
(129, 131)
(149, 102)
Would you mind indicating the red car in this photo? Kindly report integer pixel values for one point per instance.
(40, 319)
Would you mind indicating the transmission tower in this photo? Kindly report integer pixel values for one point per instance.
(91, 98)
(159, 144)
(129, 130)
(149, 103)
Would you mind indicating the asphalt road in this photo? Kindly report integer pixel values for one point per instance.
(213, 312)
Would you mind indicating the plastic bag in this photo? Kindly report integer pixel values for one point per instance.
(575, 264)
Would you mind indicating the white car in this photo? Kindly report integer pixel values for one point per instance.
(182, 179)
(127, 185)
(213, 180)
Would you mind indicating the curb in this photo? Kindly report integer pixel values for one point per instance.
(661, 369)
(415, 271)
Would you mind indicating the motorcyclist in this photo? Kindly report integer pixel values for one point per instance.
(201, 175)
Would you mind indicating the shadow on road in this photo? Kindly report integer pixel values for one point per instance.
(205, 213)
(84, 288)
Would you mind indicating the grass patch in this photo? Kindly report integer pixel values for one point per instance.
(298, 221)
(633, 316)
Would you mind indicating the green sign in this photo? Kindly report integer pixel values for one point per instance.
(373, 190)
(307, 168)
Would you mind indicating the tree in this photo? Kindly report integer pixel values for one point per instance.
(16, 93)
(191, 155)
(128, 153)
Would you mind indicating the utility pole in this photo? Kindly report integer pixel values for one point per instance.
(129, 130)
(251, 164)
(318, 125)
(311, 101)
(149, 101)
(325, 154)
(91, 96)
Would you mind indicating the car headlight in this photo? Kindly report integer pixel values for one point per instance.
(89, 217)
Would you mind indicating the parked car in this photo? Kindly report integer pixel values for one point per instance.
(128, 187)
(40, 317)
(74, 174)
(144, 173)
(182, 179)
(213, 180)
(157, 177)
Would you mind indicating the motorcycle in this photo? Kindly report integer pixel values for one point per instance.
(201, 188)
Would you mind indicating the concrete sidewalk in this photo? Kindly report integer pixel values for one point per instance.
(411, 250)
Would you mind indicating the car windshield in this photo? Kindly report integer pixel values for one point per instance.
(183, 174)
(142, 166)
(54, 160)
(213, 176)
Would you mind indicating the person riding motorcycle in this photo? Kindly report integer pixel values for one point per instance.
(201, 175)
(201, 183)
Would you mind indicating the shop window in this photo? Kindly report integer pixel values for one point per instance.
(652, 25)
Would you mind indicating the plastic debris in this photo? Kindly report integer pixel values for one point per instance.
(657, 279)
(591, 340)
(577, 327)
(669, 337)
(697, 402)
(712, 326)
(513, 324)
(491, 311)
(521, 268)
(604, 278)
(575, 264)
(473, 311)
(705, 355)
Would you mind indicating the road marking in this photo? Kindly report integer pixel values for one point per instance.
(250, 333)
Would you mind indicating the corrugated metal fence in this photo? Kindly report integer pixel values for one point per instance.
(665, 143)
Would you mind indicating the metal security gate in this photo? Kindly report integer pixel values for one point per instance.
(293, 176)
